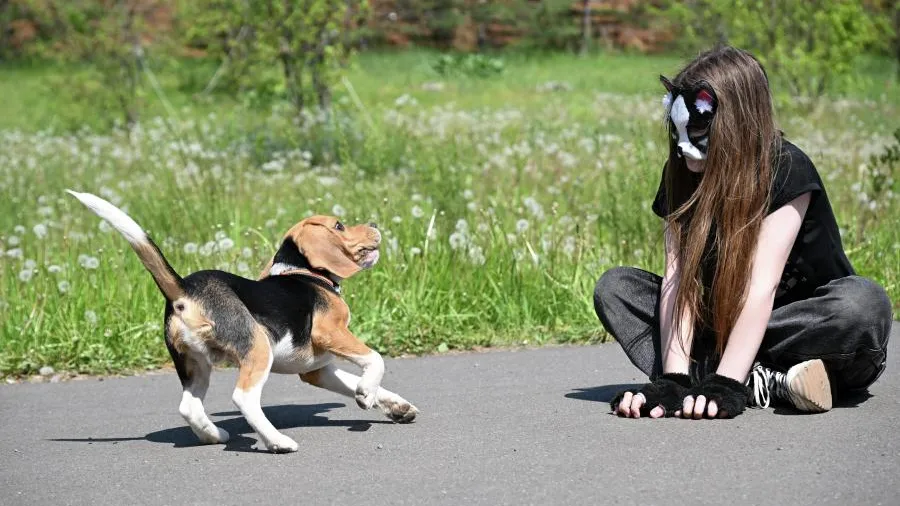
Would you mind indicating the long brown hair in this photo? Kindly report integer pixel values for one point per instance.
(722, 213)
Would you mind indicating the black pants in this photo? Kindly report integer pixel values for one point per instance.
(846, 323)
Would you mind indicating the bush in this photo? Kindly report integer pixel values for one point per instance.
(811, 46)
(469, 65)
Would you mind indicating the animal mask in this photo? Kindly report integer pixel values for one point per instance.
(691, 112)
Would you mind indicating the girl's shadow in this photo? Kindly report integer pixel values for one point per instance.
(603, 393)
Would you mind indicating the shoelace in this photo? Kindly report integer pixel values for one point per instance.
(767, 382)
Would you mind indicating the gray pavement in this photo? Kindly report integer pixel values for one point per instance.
(505, 427)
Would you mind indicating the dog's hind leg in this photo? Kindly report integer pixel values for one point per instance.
(193, 371)
(342, 382)
(196, 383)
(254, 371)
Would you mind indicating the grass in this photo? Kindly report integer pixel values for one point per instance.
(528, 195)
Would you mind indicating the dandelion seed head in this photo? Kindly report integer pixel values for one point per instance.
(90, 317)
(190, 248)
(13, 240)
(40, 230)
(522, 226)
(25, 275)
(338, 211)
(63, 286)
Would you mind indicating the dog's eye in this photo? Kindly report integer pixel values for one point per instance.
(339, 226)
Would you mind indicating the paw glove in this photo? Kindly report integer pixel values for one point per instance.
(729, 395)
(667, 391)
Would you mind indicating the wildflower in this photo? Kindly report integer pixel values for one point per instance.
(246, 252)
(568, 247)
(190, 248)
(19, 229)
(45, 211)
(63, 286)
(54, 269)
(396, 219)
(90, 317)
(522, 226)
(88, 262)
(415, 251)
(220, 235)
(14, 253)
(337, 210)
(25, 275)
(104, 226)
(243, 267)
(208, 249)
(13, 240)
(462, 226)
(468, 194)
(40, 230)
(417, 212)
(225, 244)
(472, 206)
(457, 240)
(476, 255)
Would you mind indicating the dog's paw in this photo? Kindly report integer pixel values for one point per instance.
(212, 436)
(365, 397)
(402, 412)
(282, 444)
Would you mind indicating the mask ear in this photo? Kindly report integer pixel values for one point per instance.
(325, 251)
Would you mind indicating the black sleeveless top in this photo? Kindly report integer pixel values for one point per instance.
(817, 256)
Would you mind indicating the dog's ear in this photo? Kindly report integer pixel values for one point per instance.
(325, 250)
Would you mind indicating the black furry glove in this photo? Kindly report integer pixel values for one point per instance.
(730, 395)
(667, 391)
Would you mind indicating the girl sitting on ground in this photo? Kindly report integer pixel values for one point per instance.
(758, 303)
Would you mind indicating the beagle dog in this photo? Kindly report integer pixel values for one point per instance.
(292, 320)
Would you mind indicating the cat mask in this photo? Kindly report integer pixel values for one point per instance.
(690, 111)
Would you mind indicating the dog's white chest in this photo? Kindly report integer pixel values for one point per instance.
(288, 360)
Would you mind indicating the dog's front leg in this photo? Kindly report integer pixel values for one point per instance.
(254, 371)
(331, 378)
(344, 344)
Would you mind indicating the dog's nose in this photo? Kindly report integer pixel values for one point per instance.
(373, 225)
(680, 153)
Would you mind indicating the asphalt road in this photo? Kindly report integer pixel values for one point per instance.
(510, 427)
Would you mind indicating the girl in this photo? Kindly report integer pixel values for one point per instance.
(758, 302)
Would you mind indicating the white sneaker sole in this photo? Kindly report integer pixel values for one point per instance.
(808, 387)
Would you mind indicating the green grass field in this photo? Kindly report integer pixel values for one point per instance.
(501, 201)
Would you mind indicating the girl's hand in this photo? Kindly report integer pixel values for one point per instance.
(716, 396)
(631, 404)
(698, 408)
(659, 398)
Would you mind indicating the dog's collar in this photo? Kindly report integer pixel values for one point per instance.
(282, 269)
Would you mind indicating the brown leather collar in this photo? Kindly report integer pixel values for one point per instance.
(312, 274)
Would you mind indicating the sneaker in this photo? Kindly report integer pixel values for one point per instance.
(804, 386)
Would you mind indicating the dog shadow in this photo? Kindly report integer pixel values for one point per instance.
(287, 416)
(603, 393)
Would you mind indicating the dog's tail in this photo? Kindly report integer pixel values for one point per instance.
(168, 281)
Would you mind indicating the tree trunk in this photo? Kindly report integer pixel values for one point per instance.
(586, 35)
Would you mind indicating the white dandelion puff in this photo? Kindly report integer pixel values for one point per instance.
(415, 251)
(190, 248)
(14, 253)
(104, 227)
(54, 269)
(242, 267)
(339, 211)
(417, 212)
(462, 226)
(63, 286)
(90, 317)
(19, 229)
(25, 275)
(40, 230)
(246, 252)
(396, 219)
(522, 226)
(13, 240)
(457, 240)
(225, 244)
